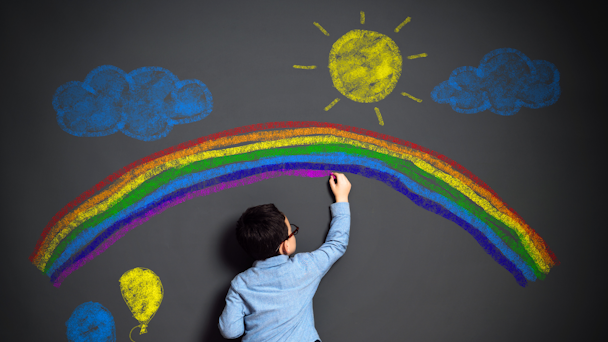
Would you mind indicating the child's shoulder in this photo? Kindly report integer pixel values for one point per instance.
(307, 261)
(240, 278)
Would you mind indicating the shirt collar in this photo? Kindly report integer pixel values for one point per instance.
(270, 262)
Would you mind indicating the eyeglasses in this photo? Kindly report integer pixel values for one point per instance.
(294, 232)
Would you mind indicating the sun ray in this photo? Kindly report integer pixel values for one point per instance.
(362, 17)
(308, 67)
(380, 121)
(417, 56)
(407, 20)
(332, 104)
(321, 28)
(411, 97)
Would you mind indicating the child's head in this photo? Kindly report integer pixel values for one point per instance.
(261, 230)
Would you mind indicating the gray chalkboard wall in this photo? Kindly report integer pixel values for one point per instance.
(408, 274)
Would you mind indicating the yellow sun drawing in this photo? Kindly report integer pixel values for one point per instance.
(365, 65)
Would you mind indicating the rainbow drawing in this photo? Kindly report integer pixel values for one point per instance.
(96, 219)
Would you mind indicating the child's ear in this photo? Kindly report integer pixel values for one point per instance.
(285, 247)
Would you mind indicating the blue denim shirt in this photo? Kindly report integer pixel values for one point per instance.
(272, 301)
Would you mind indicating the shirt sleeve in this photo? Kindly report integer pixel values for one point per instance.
(231, 321)
(337, 238)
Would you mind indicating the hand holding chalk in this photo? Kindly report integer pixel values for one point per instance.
(340, 186)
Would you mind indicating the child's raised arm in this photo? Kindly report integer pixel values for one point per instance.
(339, 231)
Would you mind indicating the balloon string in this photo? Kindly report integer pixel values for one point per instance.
(137, 326)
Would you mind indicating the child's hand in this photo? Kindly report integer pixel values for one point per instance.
(340, 187)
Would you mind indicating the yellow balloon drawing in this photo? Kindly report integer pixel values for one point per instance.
(143, 292)
(365, 65)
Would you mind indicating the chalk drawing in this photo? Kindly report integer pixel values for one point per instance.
(95, 220)
(364, 65)
(420, 55)
(380, 121)
(143, 292)
(333, 103)
(306, 67)
(411, 97)
(321, 28)
(144, 104)
(398, 28)
(91, 322)
(505, 81)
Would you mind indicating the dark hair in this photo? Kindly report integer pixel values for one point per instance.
(260, 230)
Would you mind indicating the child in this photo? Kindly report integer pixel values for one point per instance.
(272, 301)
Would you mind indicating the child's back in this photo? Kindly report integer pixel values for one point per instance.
(272, 301)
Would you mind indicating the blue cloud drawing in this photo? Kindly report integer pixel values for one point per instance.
(505, 81)
(91, 321)
(144, 104)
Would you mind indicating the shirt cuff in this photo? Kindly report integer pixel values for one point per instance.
(340, 208)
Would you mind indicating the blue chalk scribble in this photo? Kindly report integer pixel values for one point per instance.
(91, 322)
(505, 81)
(144, 104)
